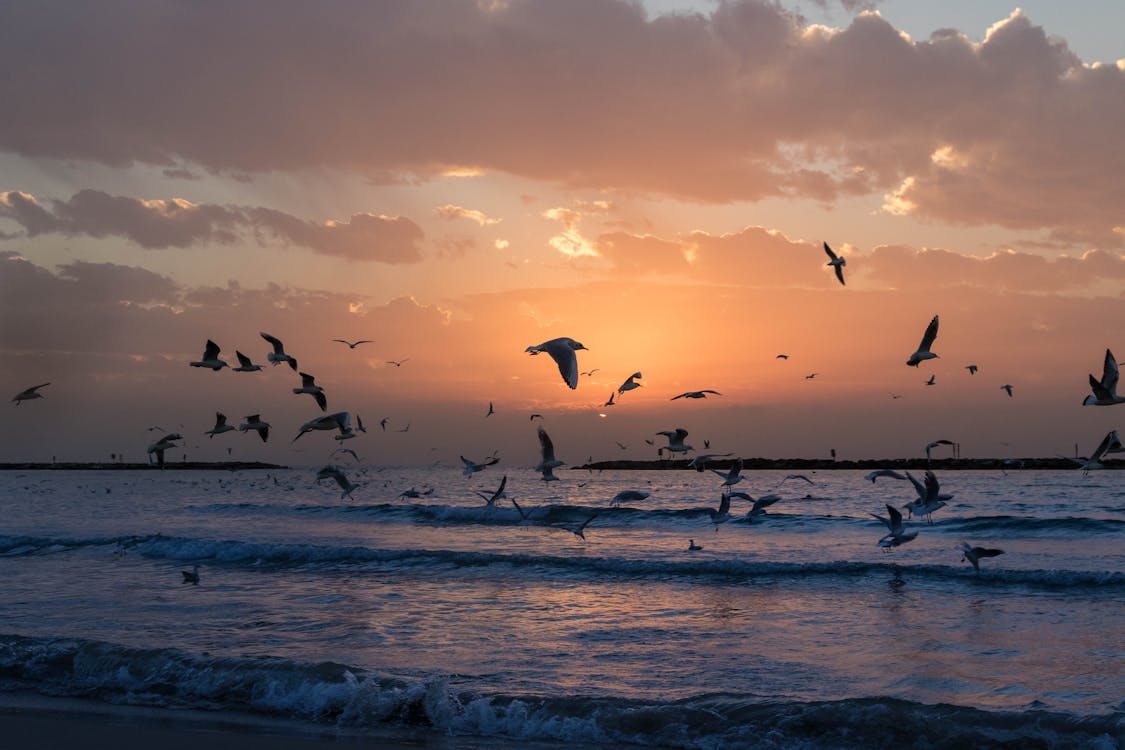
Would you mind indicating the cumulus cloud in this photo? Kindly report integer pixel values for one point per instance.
(451, 212)
(158, 224)
(743, 103)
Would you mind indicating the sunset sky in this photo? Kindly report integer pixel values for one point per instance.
(459, 180)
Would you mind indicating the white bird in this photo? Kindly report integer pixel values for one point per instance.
(336, 473)
(278, 355)
(630, 383)
(1111, 443)
(759, 506)
(1008, 388)
(924, 352)
(798, 476)
(884, 473)
(309, 386)
(836, 262)
(190, 576)
(490, 498)
(340, 420)
(732, 477)
(695, 394)
(1105, 390)
(722, 513)
(29, 393)
(353, 345)
(628, 496)
(676, 440)
(563, 351)
(699, 463)
(221, 425)
(547, 462)
(254, 422)
(210, 358)
(244, 364)
(896, 530)
(472, 467)
(974, 554)
(934, 444)
(929, 497)
(157, 449)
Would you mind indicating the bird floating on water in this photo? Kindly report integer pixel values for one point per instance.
(190, 576)
(923, 353)
(693, 547)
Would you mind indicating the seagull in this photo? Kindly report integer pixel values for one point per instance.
(1105, 390)
(359, 424)
(157, 449)
(934, 444)
(798, 476)
(699, 463)
(929, 498)
(630, 383)
(628, 496)
(782, 356)
(974, 554)
(590, 373)
(534, 416)
(278, 354)
(610, 402)
(397, 362)
(695, 394)
(547, 462)
(491, 411)
(210, 358)
(490, 498)
(837, 262)
(811, 375)
(29, 393)
(1007, 387)
(353, 345)
(972, 369)
(221, 425)
(580, 530)
(931, 380)
(563, 351)
(415, 494)
(334, 472)
(347, 450)
(733, 476)
(244, 363)
(405, 429)
(340, 420)
(1111, 443)
(759, 506)
(471, 467)
(924, 352)
(693, 547)
(254, 422)
(190, 576)
(676, 440)
(525, 515)
(896, 531)
(383, 423)
(884, 473)
(722, 514)
(309, 386)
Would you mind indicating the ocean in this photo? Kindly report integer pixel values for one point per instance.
(442, 615)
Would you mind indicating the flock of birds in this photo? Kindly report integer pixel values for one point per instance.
(563, 351)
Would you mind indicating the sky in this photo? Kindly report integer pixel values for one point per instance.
(459, 180)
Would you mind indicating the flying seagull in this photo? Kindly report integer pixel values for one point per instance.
(929, 497)
(490, 498)
(934, 444)
(309, 386)
(353, 345)
(782, 356)
(1008, 388)
(29, 393)
(157, 449)
(836, 262)
(732, 477)
(630, 383)
(244, 363)
(676, 440)
(547, 462)
(210, 358)
(1105, 390)
(254, 422)
(896, 530)
(611, 402)
(472, 467)
(221, 425)
(278, 355)
(491, 411)
(340, 420)
(931, 380)
(924, 352)
(397, 362)
(590, 373)
(580, 530)
(695, 394)
(884, 473)
(974, 554)
(1111, 443)
(972, 369)
(628, 496)
(563, 351)
(699, 463)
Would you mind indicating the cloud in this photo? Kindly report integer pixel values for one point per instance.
(451, 212)
(743, 103)
(177, 223)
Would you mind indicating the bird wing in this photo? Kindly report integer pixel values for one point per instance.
(831, 255)
(500, 490)
(929, 336)
(264, 433)
(681, 433)
(321, 400)
(566, 359)
(682, 395)
(278, 347)
(243, 360)
(894, 516)
(546, 447)
(212, 350)
(1104, 446)
(307, 381)
(1100, 391)
(220, 419)
(931, 485)
(840, 274)
(986, 552)
(918, 486)
(1110, 373)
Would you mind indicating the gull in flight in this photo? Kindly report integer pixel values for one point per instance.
(759, 506)
(221, 425)
(934, 444)
(1105, 390)
(415, 494)
(210, 358)
(974, 554)
(972, 369)
(563, 351)
(336, 473)
(611, 401)
(695, 394)
(491, 411)
(798, 476)
(347, 450)
(630, 383)
(929, 497)
(896, 530)
(254, 422)
(924, 352)
(397, 362)
(782, 356)
(1008, 388)
(340, 420)
(157, 449)
(354, 344)
(590, 373)
(472, 467)
(580, 530)
(535, 416)
(244, 363)
(278, 355)
(1111, 443)
(622, 446)
(383, 423)
(628, 496)
(190, 576)
(29, 393)
(309, 386)
(699, 463)
(490, 498)
(884, 473)
(811, 375)
(547, 462)
(722, 513)
(676, 440)
(733, 476)
(931, 380)
(836, 262)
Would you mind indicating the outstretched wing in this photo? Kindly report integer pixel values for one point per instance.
(831, 255)
(840, 274)
(278, 347)
(1110, 373)
(546, 447)
(212, 350)
(929, 336)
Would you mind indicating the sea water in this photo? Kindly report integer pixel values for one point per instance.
(794, 629)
